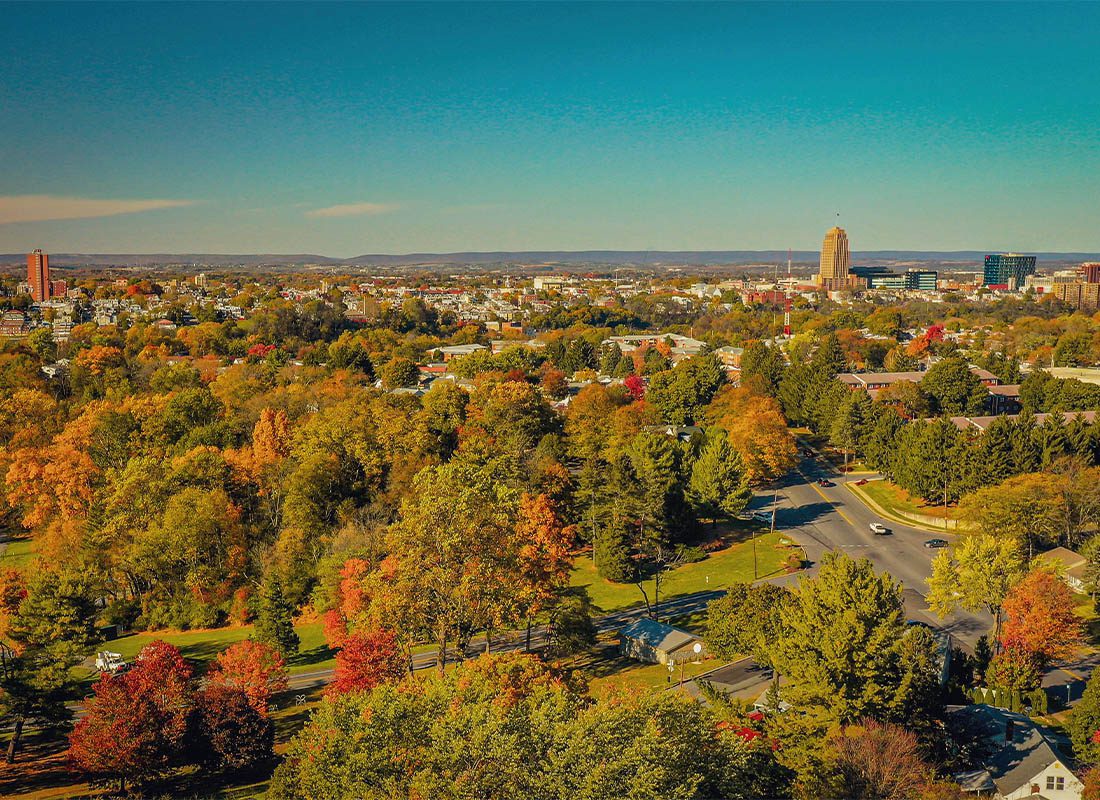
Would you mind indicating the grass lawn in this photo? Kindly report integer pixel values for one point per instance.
(894, 498)
(203, 645)
(720, 569)
(609, 673)
(17, 552)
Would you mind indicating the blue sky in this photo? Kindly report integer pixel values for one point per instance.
(347, 129)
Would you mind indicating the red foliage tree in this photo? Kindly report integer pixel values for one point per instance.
(119, 738)
(636, 386)
(235, 734)
(136, 724)
(1040, 618)
(367, 659)
(163, 676)
(251, 667)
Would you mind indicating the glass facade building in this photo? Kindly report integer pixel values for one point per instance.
(1008, 269)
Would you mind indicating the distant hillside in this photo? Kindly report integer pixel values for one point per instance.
(548, 258)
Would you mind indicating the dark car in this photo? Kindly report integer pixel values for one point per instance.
(826, 483)
(935, 544)
(861, 482)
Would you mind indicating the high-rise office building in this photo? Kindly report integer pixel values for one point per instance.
(1008, 269)
(834, 258)
(38, 275)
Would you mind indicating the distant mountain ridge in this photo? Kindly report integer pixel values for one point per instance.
(528, 257)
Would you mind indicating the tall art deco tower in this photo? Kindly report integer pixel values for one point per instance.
(834, 259)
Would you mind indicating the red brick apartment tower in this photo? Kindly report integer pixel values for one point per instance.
(38, 275)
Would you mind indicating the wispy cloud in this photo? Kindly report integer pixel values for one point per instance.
(352, 210)
(42, 207)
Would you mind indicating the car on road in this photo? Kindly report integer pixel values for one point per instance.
(826, 483)
(935, 544)
(762, 516)
(879, 529)
(861, 482)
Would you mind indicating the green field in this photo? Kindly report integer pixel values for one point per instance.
(17, 552)
(718, 571)
(204, 645)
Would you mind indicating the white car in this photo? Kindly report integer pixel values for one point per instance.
(879, 530)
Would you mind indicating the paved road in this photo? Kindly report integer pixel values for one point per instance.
(824, 519)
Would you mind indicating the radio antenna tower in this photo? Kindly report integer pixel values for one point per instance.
(787, 299)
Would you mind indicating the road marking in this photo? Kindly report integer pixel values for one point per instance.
(1071, 673)
(825, 497)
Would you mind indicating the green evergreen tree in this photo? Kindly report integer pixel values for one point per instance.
(995, 452)
(610, 358)
(1025, 452)
(954, 389)
(275, 619)
(1052, 440)
(719, 484)
(765, 363)
(839, 645)
(612, 552)
(52, 628)
(654, 461)
(849, 426)
(1084, 722)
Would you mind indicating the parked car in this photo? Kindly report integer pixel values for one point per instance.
(879, 530)
(935, 544)
(861, 482)
(762, 516)
(826, 483)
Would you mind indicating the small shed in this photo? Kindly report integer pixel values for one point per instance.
(655, 643)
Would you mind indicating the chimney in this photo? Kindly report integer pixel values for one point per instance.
(1008, 731)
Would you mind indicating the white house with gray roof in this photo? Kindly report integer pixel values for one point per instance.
(1023, 761)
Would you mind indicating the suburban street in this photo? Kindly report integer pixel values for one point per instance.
(833, 518)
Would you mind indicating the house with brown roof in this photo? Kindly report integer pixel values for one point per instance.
(1071, 567)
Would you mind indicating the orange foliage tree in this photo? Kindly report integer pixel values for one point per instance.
(757, 430)
(1040, 617)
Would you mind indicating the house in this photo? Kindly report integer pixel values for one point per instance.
(1022, 761)
(459, 350)
(1071, 567)
(681, 432)
(1004, 399)
(655, 643)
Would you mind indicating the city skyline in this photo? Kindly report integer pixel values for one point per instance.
(557, 127)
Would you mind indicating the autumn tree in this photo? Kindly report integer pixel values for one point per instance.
(367, 659)
(255, 668)
(455, 562)
(136, 724)
(233, 733)
(510, 726)
(757, 430)
(746, 621)
(1040, 617)
(871, 761)
(1024, 508)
